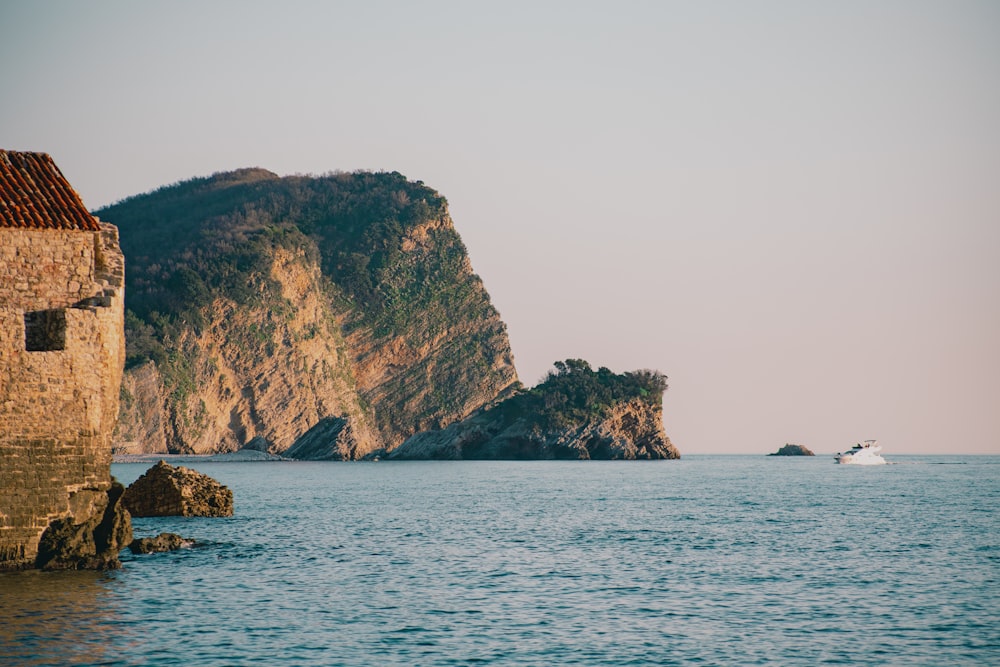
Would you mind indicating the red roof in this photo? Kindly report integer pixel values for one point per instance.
(35, 195)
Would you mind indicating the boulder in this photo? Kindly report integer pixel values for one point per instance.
(162, 542)
(168, 491)
(93, 544)
(793, 450)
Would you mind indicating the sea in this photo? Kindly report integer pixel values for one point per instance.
(709, 560)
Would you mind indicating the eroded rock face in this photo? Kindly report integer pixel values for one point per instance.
(299, 303)
(332, 439)
(93, 544)
(165, 490)
(141, 428)
(630, 430)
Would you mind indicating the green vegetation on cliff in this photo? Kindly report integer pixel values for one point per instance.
(575, 413)
(191, 241)
(409, 326)
(574, 394)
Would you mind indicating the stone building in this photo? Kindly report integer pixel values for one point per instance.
(62, 351)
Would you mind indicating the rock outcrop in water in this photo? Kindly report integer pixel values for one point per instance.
(327, 317)
(91, 544)
(160, 543)
(165, 490)
(577, 413)
(793, 450)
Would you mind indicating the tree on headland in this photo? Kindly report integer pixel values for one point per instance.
(574, 393)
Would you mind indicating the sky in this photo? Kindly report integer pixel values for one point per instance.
(790, 208)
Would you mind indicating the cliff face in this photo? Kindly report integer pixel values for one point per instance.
(264, 371)
(264, 309)
(140, 428)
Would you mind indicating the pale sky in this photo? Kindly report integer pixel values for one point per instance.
(790, 208)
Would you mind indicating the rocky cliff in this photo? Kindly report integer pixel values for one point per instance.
(140, 428)
(576, 413)
(263, 309)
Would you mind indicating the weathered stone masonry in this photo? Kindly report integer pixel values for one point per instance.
(62, 351)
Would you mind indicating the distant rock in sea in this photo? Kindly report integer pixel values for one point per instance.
(793, 450)
(168, 491)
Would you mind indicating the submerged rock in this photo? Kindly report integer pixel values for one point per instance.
(168, 491)
(793, 450)
(162, 542)
(93, 544)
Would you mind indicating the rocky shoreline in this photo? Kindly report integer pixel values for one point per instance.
(241, 456)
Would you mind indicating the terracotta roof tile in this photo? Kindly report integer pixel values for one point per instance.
(35, 195)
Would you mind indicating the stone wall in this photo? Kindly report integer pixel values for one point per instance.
(62, 350)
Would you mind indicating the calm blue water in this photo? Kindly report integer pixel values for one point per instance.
(708, 560)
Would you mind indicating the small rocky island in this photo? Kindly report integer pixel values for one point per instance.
(793, 450)
(575, 413)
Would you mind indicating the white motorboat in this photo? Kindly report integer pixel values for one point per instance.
(863, 454)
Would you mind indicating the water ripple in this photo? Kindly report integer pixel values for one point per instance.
(710, 560)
